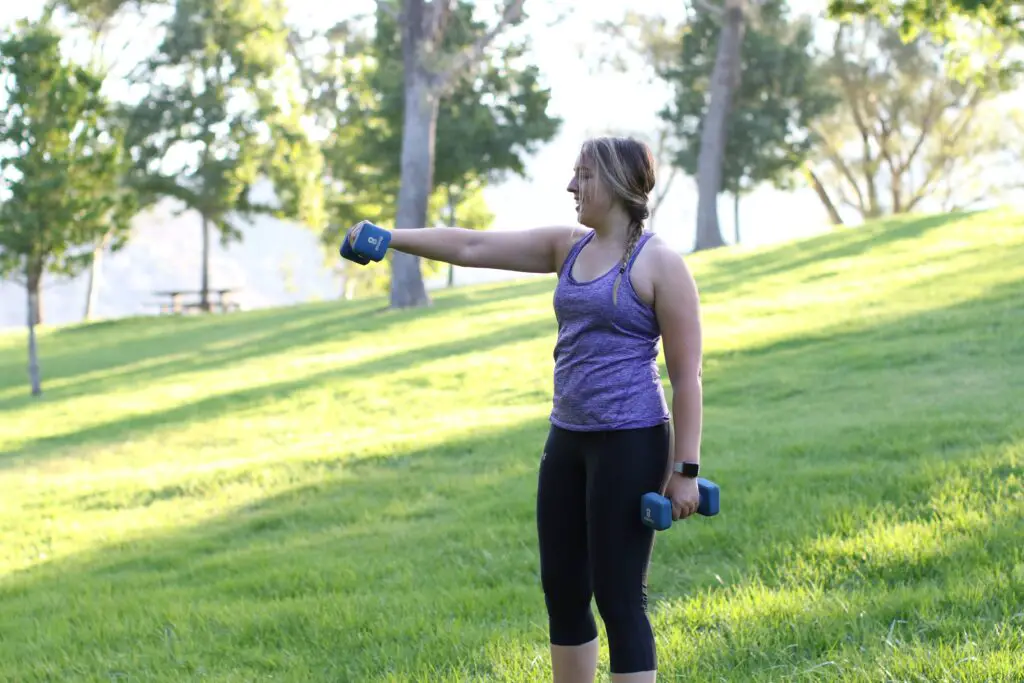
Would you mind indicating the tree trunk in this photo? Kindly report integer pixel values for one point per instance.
(870, 168)
(417, 162)
(452, 222)
(93, 294)
(897, 193)
(822, 193)
(32, 289)
(736, 215)
(204, 288)
(38, 316)
(713, 136)
(426, 78)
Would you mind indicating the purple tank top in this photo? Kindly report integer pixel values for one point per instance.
(606, 354)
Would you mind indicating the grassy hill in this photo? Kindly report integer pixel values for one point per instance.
(335, 492)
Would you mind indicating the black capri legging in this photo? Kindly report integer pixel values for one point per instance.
(592, 542)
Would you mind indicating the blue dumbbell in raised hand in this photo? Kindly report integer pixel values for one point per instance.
(656, 509)
(365, 242)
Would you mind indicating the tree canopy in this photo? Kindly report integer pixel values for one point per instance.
(487, 125)
(909, 132)
(221, 115)
(935, 16)
(781, 91)
(61, 162)
(62, 158)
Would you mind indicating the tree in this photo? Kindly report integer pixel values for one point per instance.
(907, 122)
(725, 77)
(967, 29)
(61, 161)
(98, 20)
(487, 125)
(220, 115)
(335, 67)
(767, 130)
(429, 73)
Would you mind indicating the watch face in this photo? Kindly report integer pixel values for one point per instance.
(687, 469)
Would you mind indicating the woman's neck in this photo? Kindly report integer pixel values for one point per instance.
(614, 229)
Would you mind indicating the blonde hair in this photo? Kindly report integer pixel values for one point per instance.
(626, 166)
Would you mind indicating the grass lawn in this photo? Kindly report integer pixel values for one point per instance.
(336, 492)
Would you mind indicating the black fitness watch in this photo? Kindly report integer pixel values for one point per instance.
(690, 470)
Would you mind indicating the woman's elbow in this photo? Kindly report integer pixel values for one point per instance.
(688, 380)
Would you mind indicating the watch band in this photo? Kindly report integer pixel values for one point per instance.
(688, 469)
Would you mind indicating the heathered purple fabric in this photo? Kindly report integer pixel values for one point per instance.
(606, 367)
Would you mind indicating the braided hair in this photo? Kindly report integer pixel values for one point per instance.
(636, 231)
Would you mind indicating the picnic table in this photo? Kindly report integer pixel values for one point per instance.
(190, 300)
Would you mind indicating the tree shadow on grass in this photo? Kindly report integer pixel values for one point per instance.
(374, 312)
(215, 406)
(740, 268)
(166, 347)
(150, 346)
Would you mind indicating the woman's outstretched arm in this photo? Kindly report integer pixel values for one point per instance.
(532, 250)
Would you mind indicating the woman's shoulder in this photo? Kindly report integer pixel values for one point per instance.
(662, 255)
(655, 255)
(658, 264)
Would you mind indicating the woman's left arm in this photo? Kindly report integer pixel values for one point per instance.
(677, 306)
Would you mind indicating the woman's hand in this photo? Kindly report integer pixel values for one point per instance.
(684, 494)
(353, 232)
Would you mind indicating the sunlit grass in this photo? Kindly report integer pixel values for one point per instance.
(337, 492)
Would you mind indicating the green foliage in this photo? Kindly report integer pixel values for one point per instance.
(969, 30)
(486, 126)
(463, 205)
(336, 493)
(97, 12)
(491, 122)
(62, 159)
(781, 93)
(219, 115)
(347, 102)
(936, 16)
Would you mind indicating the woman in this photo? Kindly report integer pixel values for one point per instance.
(619, 289)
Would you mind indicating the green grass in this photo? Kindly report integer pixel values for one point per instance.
(336, 492)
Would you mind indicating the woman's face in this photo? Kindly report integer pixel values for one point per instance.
(593, 198)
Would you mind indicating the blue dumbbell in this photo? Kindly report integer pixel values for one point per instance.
(656, 509)
(370, 245)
